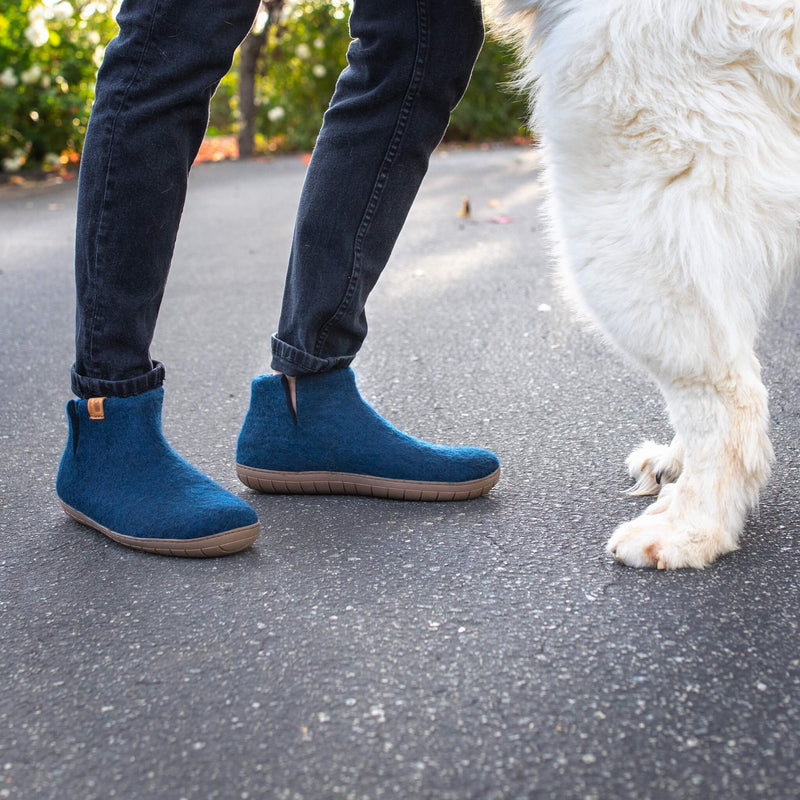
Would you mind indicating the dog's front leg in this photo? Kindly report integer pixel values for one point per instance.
(722, 422)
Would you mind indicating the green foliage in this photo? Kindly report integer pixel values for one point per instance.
(304, 58)
(49, 52)
(491, 108)
(305, 54)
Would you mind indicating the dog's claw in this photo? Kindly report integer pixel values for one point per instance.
(644, 486)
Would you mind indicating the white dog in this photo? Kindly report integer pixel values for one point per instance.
(671, 134)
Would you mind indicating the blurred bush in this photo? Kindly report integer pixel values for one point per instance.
(303, 57)
(50, 50)
(492, 109)
(49, 53)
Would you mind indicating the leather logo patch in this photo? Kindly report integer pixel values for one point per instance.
(95, 406)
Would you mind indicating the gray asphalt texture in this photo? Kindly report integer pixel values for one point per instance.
(370, 648)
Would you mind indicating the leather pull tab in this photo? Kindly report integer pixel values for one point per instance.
(95, 407)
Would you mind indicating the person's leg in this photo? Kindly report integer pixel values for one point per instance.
(408, 67)
(118, 474)
(147, 123)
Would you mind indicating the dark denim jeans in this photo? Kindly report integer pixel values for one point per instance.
(408, 67)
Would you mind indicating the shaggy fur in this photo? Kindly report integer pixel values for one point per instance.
(671, 134)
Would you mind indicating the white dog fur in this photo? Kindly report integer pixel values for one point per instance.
(671, 137)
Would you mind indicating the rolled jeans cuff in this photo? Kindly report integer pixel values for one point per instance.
(85, 387)
(296, 363)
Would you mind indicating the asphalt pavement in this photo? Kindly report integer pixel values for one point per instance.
(380, 649)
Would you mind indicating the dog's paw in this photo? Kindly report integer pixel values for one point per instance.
(658, 539)
(652, 466)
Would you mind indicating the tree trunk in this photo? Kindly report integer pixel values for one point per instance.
(249, 55)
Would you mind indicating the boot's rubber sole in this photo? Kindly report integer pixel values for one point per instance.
(218, 544)
(274, 482)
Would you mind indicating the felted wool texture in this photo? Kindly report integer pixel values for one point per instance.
(120, 472)
(337, 431)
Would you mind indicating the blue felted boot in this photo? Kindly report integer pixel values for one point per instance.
(119, 476)
(336, 444)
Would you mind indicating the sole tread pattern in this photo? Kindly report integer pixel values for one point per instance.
(218, 544)
(275, 482)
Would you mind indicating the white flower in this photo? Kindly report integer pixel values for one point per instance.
(302, 51)
(14, 163)
(63, 10)
(39, 13)
(90, 9)
(319, 43)
(31, 75)
(93, 37)
(319, 71)
(8, 78)
(37, 34)
(276, 114)
(104, 8)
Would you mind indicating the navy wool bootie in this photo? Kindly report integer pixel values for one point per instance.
(119, 476)
(336, 444)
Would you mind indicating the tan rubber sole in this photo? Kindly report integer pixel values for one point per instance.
(274, 482)
(219, 544)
